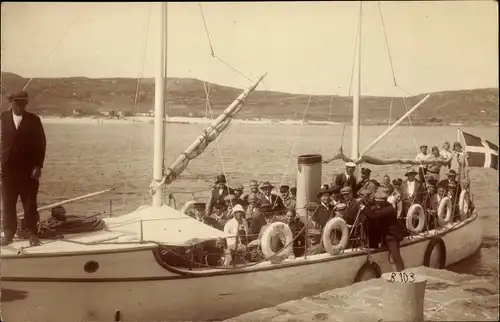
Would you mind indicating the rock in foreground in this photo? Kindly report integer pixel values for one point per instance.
(448, 297)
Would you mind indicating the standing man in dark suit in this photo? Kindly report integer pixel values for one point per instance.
(23, 145)
(219, 192)
(347, 178)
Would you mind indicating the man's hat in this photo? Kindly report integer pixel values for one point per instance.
(284, 188)
(238, 187)
(266, 184)
(451, 173)
(350, 165)
(324, 189)
(423, 145)
(410, 172)
(366, 171)
(397, 182)
(254, 183)
(346, 190)
(220, 179)
(381, 195)
(199, 206)
(18, 96)
(335, 188)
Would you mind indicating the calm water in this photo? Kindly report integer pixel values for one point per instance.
(83, 158)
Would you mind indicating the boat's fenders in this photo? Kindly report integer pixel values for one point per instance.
(433, 243)
(188, 207)
(464, 204)
(277, 230)
(415, 212)
(445, 210)
(335, 224)
(368, 269)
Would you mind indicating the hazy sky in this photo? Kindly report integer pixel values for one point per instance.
(305, 47)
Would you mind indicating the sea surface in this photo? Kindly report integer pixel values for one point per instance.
(84, 158)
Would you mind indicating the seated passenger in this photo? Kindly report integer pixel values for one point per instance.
(352, 206)
(238, 192)
(314, 246)
(269, 198)
(252, 210)
(382, 225)
(220, 215)
(336, 196)
(431, 204)
(288, 202)
(298, 230)
(237, 228)
(325, 209)
(386, 184)
(254, 190)
(264, 215)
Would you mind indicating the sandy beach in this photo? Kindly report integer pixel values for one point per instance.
(175, 119)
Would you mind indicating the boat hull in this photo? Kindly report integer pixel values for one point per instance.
(135, 284)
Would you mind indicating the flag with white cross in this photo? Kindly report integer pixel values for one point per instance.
(480, 152)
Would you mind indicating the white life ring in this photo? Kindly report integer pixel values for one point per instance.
(445, 211)
(188, 207)
(464, 204)
(331, 225)
(285, 234)
(415, 211)
(397, 203)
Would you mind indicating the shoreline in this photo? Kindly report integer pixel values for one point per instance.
(199, 120)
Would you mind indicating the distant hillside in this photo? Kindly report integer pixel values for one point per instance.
(186, 97)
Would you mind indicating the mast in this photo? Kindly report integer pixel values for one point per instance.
(356, 95)
(159, 107)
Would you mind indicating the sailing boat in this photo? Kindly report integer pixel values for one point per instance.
(119, 273)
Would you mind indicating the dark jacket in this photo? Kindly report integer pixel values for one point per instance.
(381, 223)
(418, 193)
(24, 148)
(218, 198)
(322, 215)
(342, 181)
(351, 212)
(276, 201)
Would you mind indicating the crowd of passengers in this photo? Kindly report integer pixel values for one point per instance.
(374, 211)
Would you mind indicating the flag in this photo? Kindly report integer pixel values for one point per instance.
(480, 152)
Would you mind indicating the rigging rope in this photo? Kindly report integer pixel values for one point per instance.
(387, 42)
(212, 52)
(56, 46)
(136, 102)
(293, 146)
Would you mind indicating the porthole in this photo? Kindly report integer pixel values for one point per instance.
(91, 267)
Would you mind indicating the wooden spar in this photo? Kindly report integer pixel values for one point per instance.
(401, 119)
(60, 203)
(228, 111)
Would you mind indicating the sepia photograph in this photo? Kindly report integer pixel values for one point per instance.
(249, 161)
